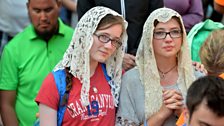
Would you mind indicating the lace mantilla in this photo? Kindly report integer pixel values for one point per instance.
(146, 63)
(124, 122)
(77, 55)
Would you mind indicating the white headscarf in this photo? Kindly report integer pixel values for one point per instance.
(146, 63)
(77, 55)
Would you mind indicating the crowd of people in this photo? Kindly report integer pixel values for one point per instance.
(123, 63)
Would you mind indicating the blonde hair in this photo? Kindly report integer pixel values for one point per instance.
(212, 53)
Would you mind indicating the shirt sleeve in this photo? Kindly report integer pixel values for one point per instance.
(48, 93)
(194, 15)
(9, 70)
(131, 103)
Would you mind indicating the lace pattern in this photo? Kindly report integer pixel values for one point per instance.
(145, 60)
(77, 55)
(124, 122)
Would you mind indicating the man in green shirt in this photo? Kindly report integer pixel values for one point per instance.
(28, 58)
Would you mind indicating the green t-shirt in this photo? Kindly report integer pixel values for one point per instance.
(198, 34)
(25, 62)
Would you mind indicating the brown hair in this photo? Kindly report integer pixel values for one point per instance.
(156, 22)
(110, 20)
(106, 22)
(68, 81)
(212, 53)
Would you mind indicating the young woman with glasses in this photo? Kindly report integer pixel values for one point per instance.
(153, 93)
(95, 54)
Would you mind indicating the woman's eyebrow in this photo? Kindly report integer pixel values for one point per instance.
(167, 29)
(107, 34)
(160, 29)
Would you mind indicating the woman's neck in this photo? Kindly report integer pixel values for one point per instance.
(167, 68)
(164, 64)
(93, 66)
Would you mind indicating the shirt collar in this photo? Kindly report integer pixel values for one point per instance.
(61, 30)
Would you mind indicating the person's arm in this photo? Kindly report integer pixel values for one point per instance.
(48, 116)
(195, 14)
(160, 117)
(7, 108)
(8, 85)
(83, 6)
(172, 102)
(70, 5)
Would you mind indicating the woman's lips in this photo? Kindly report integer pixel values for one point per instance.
(168, 48)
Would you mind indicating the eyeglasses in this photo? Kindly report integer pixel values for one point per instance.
(105, 39)
(162, 34)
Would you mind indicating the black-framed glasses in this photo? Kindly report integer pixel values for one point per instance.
(163, 34)
(105, 39)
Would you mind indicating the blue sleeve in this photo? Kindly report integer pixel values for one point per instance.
(145, 123)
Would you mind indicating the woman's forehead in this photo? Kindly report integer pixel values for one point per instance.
(172, 23)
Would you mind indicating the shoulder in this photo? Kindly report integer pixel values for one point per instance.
(48, 85)
(48, 93)
(65, 29)
(49, 79)
(68, 28)
(131, 79)
(59, 75)
(26, 33)
(21, 45)
(132, 74)
(22, 38)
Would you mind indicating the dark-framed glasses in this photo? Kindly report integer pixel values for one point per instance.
(163, 34)
(105, 39)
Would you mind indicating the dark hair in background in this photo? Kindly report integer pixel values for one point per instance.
(106, 22)
(209, 88)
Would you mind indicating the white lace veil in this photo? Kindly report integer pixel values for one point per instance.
(77, 55)
(146, 63)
